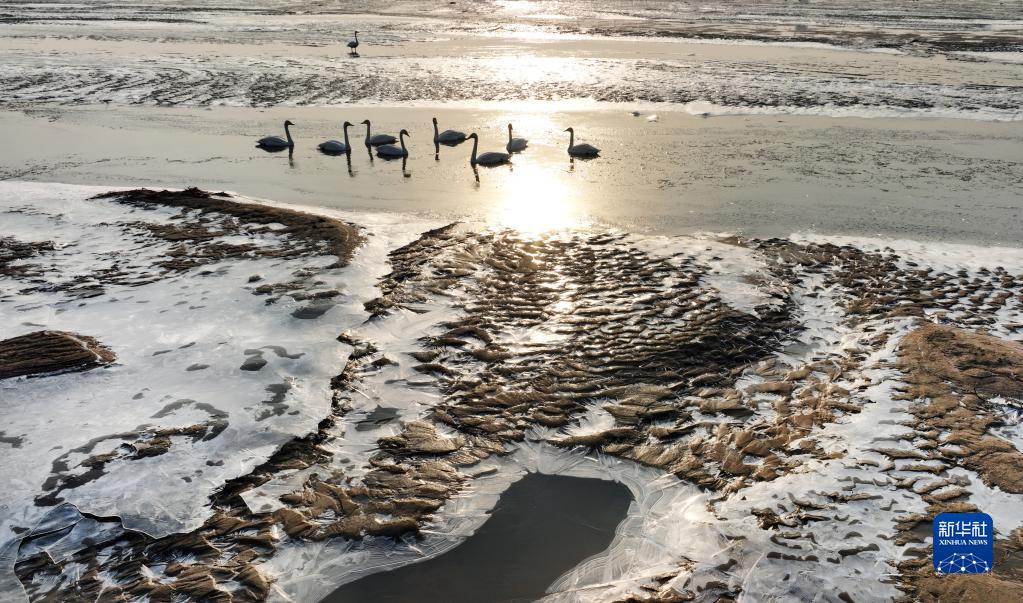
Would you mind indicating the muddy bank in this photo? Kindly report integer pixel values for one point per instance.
(542, 526)
(954, 376)
(202, 387)
(313, 233)
(48, 352)
(790, 384)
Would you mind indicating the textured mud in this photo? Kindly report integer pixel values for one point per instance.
(206, 217)
(48, 352)
(602, 343)
(276, 53)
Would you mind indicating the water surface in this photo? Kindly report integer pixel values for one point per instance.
(542, 526)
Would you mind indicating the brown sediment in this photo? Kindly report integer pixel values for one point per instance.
(195, 237)
(313, 234)
(220, 561)
(48, 352)
(137, 444)
(13, 250)
(950, 373)
(684, 377)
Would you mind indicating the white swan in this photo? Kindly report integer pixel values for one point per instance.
(276, 142)
(389, 150)
(447, 136)
(353, 43)
(489, 158)
(379, 139)
(580, 150)
(515, 144)
(334, 146)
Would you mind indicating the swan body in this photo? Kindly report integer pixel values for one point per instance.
(276, 142)
(379, 139)
(447, 136)
(389, 150)
(334, 146)
(580, 150)
(489, 158)
(515, 145)
(354, 43)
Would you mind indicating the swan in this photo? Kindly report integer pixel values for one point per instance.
(580, 150)
(333, 146)
(353, 43)
(515, 144)
(276, 142)
(490, 158)
(389, 150)
(447, 136)
(379, 139)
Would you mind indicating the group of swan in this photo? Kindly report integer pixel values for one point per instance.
(385, 147)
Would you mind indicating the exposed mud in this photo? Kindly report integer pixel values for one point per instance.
(219, 561)
(605, 344)
(13, 251)
(217, 215)
(48, 352)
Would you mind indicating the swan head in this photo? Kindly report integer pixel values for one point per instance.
(435, 121)
(570, 130)
(509, 128)
(356, 33)
(347, 124)
(473, 136)
(288, 122)
(404, 133)
(365, 122)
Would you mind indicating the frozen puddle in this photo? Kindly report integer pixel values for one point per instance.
(542, 525)
(298, 404)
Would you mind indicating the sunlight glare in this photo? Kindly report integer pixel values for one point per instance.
(536, 201)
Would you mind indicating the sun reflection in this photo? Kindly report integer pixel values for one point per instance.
(535, 201)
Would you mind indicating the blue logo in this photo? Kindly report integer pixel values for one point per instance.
(964, 543)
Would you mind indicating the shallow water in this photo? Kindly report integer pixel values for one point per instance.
(542, 526)
(930, 180)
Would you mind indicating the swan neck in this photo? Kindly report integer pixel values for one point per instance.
(287, 132)
(367, 132)
(571, 139)
(436, 131)
(509, 134)
(346, 136)
(475, 142)
(401, 140)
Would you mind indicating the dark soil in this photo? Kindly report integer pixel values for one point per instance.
(46, 352)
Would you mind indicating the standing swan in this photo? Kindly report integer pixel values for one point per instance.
(580, 150)
(490, 158)
(379, 139)
(447, 136)
(335, 147)
(389, 151)
(276, 142)
(515, 144)
(353, 43)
